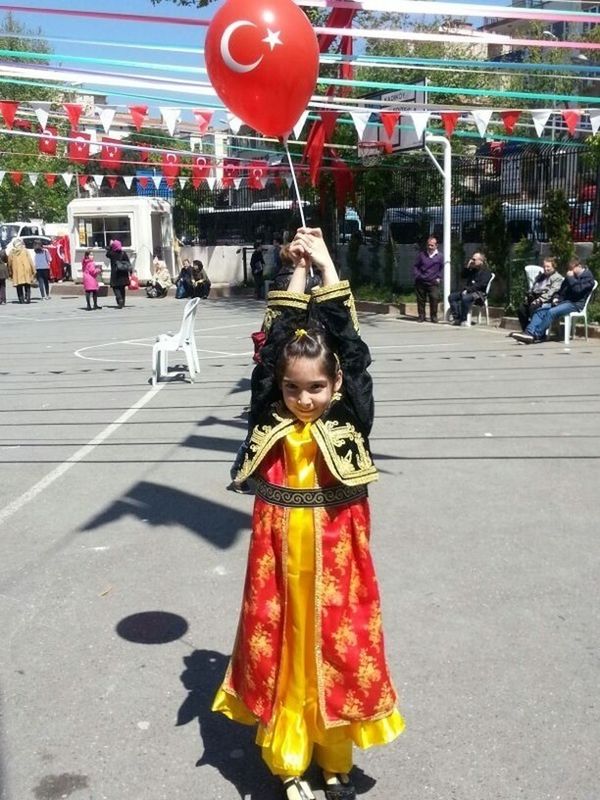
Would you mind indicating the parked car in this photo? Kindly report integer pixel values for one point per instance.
(8, 231)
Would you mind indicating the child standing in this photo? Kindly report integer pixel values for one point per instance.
(308, 664)
(89, 273)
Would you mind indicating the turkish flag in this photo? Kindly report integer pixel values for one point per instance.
(79, 149)
(170, 166)
(111, 153)
(47, 144)
(200, 170)
(257, 173)
(230, 171)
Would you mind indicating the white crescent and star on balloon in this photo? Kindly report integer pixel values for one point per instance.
(272, 39)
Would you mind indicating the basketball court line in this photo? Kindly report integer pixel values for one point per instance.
(12, 508)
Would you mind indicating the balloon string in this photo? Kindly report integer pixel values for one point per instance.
(300, 207)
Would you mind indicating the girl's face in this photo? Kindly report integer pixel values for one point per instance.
(306, 389)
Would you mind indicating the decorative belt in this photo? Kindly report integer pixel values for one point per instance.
(308, 498)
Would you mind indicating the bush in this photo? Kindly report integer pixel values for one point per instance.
(556, 220)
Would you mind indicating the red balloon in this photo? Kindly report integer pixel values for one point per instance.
(262, 58)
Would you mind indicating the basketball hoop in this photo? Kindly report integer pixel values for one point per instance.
(370, 153)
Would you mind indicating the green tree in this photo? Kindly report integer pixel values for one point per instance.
(20, 153)
(496, 241)
(556, 221)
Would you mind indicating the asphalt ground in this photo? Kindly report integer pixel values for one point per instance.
(122, 558)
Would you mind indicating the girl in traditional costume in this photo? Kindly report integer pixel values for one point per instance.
(308, 663)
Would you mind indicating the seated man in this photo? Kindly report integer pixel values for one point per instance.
(544, 287)
(476, 277)
(572, 295)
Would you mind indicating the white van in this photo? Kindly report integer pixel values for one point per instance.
(143, 225)
(8, 231)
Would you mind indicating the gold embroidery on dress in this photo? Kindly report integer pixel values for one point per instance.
(332, 595)
(368, 673)
(344, 637)
(270, 316)
(350, 305)
(343, 550)
(352, 708)
(266, 568)
(259, 644)
(374, 627)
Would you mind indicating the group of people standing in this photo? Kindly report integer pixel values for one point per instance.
(25, 271)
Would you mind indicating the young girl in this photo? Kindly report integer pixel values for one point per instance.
(89, 274)
(308, 664)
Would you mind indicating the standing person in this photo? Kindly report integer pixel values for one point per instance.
(257, 267)
(476, 277)
(41, 261)
(428, 271)
(544, 287)
(120, 270)
(21, 270)
(308, 664)
(89, 274)
(3, 276)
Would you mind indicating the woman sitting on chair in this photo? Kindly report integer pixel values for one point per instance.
(159, 284)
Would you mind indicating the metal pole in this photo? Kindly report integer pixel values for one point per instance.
(446, 172)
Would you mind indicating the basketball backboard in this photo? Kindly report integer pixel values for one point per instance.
(405, 136)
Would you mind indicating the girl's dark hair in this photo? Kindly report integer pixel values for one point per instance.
(310, 343)
(87, 253)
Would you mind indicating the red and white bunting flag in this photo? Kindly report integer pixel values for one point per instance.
(74, 111)
(128, 180)
(482, 117)
(571, 117)
(171, 117)
(449, 121)
(170, 165)
(79, 149)
(112, 180)
(203, 118)
(182, 182)
(156, 180)
(360, 120)
(98, 180)
(211, 183)
(419, 120)
(111, 153)
(540, 119)
(510, 119)
(67, 178)
(47, 142)
(2, 174)
(41, 112)
(235, 123)
(142, 181)
(300, 124)
(594, 114)
(83, 180)
(50, 178)
(237, 182)
(8, 109)
(107, 115)
(16, 177)
(138, 115)
(389, 120)
(33, 178)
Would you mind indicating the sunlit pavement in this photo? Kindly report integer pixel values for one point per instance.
(123, 558)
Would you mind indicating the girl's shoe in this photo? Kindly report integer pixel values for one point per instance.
(339, 787)
(295, 789)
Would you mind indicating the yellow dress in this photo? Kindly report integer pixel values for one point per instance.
(297, 728)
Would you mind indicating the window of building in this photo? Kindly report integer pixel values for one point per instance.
(99, 231)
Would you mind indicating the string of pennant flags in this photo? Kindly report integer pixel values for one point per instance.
(574, 119)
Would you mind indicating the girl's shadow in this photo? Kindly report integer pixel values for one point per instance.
(228, 746)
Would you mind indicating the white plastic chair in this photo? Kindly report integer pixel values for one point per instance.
(582, 313)
(482, 306)
(532, 271)
(172, 342)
